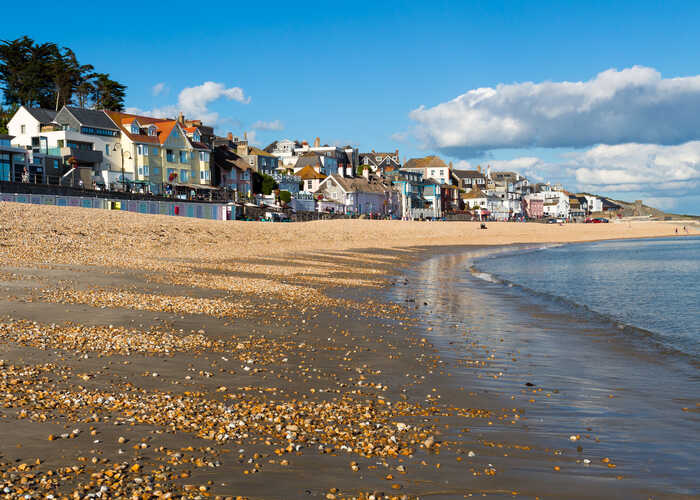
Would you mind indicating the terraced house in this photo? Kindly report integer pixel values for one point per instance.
(159, 154)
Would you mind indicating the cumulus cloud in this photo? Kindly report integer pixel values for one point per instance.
(634, 167)
(664, 176)
(634, 105)
(158, 88)
(194, 102)
(273, 125)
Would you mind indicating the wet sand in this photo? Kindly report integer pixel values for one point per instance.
(153, 356)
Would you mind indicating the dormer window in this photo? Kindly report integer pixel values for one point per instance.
(152, 130)
(196, 136)
(134, 128)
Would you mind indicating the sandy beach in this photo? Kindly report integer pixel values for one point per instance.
(146, 356)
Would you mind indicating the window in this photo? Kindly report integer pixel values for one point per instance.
(203, 156)
(142, 150)
(145, 170)
(170, 156)
(23, 129)
(135, 128)
(156, 171)
(378, 158)
(196, 137)
(151, 130)
(183, 175)
(141, 171)
(204, 175)
(309, 184)
(107, 148)
(183, 156)
(154, 151)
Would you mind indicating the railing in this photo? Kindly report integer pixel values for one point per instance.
(286, 178)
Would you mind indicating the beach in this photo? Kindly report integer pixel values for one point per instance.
(148, 356)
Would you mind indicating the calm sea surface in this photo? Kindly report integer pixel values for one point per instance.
(608, 330)
(650, 285)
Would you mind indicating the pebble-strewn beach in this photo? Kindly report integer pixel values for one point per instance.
(152, 356)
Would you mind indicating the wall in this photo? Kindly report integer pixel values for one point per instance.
(198, 210)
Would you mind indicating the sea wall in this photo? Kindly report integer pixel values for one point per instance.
(213, 211)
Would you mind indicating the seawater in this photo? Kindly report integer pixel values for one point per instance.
(608, 331)
(650, 285)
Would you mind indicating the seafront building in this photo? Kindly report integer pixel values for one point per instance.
(182, 158)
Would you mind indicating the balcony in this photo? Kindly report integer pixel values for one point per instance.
(81, 155)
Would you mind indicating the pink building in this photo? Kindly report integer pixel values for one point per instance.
(534, 207)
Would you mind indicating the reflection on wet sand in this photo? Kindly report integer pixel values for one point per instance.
(585, 392)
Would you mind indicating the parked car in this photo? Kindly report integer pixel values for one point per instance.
(551, 221)
(600, 220)
(588, 220)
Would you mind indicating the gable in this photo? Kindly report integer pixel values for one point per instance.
(175, 138)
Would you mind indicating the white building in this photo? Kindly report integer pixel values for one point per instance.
(86, 137)
(595, 204)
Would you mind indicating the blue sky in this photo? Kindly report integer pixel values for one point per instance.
(355, 72)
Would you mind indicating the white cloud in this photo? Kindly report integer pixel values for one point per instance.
(253, 138)
(616, 107)
(194, 103)
(158, 89)
(634, 166)
(273, 125)
(400, 136)
(666, 177)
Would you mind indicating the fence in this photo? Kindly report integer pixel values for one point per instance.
(211, 211)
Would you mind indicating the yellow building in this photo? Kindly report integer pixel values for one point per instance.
(158, 152)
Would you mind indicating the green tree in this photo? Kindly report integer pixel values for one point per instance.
(285, 196)
(108, 94)
(263, 183)
(49, 76)
(5, 116)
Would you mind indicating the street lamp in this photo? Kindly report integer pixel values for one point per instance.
(122, 155)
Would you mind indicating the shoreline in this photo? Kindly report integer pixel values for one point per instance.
(630, 461)
(229, 366)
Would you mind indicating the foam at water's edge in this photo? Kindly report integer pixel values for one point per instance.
(656, 341)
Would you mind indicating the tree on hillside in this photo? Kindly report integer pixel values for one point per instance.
(5, 116)
(263, 183)
(108, 94)
(49, 76)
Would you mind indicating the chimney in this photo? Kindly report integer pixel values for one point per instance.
(181, 119)
(365, 173)
(317, 142)
(478, 167)
(229, 136)
(397, 155)
(245, 136)
(341, 171)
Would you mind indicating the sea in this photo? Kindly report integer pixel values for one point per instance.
(608, 331)
(651, 288)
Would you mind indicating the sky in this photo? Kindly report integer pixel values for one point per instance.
(601, 98)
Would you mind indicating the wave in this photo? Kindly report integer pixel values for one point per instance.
(629, 333)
